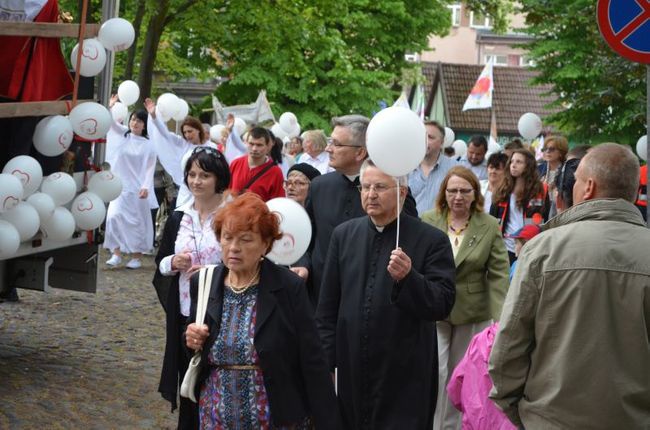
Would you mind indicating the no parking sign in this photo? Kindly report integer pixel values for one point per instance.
(625, 26)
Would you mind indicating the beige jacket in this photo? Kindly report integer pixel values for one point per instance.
(573, 347)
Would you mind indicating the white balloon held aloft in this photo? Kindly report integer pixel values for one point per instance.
(642, 147)
(11, 191)
(278, 131)
(25, 218)
(93, 58)
(493, 147)
(116, 34)
(396, 140)
(27, 170)
(450, 136)
(119, 112)
(60, 226)
(239, 126)
(294, 132)
(529, 126)
(168, 105)
(128, 92)
(183, 110)
(288, 121)
(53, 135)
(88, 211)
(106, 185)
(9, 239)
(90, 120)
(44, 205)
(296, 231)
(60, 186)
(460, 148)
(215, 132)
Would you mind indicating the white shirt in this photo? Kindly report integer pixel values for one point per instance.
(515, 222)
(321, 162)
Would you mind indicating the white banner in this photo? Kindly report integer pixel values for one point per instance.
(253, 113)
(481, 95)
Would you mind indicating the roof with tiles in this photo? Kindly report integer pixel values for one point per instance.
(513, 95)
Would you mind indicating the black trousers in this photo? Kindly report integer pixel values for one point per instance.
(188, 411)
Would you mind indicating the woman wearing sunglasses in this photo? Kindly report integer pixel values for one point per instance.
(188, 243)
(555, 150)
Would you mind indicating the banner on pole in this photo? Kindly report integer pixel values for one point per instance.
(480, 97)
(253, 113)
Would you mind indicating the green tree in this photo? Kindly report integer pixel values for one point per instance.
(602, 95)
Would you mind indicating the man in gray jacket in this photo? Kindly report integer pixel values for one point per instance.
(573, 347)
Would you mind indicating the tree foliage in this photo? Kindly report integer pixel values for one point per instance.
(602, 94)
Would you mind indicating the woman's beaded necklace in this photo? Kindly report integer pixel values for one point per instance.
(457, 233)
(239, 289)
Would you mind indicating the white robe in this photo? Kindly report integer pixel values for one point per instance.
(128, 220)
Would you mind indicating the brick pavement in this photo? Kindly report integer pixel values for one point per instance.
(85, 361)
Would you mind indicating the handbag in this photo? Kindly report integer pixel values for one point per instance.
(194, 368)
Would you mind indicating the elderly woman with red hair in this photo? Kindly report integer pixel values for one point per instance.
(263, 364)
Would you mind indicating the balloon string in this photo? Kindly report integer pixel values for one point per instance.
(80, 51)
(398, 214)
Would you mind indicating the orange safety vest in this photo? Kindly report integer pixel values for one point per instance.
(642, 198)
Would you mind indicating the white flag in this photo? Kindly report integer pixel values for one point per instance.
(481, 95)
(252, 113)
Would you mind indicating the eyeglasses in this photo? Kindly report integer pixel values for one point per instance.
(549, 149)
(337, 144)
(378, 188)
(295, 183)
(461, 191)
(208, 149)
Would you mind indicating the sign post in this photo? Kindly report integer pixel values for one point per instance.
(625, 26)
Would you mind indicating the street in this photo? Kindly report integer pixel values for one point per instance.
(92, 361)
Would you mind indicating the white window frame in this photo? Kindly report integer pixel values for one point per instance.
(455, 14)
(487, 22)
(496, 59)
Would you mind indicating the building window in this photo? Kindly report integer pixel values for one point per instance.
(499, 60)
(455, 14)
(526, 61)
(478, 20)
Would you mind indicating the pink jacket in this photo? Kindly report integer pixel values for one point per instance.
(470, 385)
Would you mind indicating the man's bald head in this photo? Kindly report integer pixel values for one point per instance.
(608, 170)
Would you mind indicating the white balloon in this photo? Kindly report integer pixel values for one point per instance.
(60, 186)
(295, 131)
(25, 218)
(168, 105)
(128, 92)
(11, 191)
(90, 120)
(460, 148)
(93, 58)
(27, 170)
(53, 135)
(9, 239)
(44, 205)
(183, 110)
(288, 121)
(116, 34)
(60, 226)
(215, 132)
(450, 136)
(239, 126)
(88, 211)
(296, 231)
(106, 185)
(278, 131)
(120, 112)
(493, 147)
(396, 140)
(529, 126)
(642, 147)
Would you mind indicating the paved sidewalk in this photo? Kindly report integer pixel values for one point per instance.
(73, 360)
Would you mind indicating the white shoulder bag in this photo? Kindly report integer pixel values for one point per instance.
(189, 381)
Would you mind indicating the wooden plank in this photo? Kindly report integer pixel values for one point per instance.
(13, 110)
(46, 29)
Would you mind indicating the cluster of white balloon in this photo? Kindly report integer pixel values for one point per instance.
(128, 92)
(287, 127)
(24, 211)
(169, 106)
(217, 129)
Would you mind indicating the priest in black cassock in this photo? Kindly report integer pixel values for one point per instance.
(377, 310)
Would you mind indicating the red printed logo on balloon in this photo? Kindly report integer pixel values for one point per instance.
(54, 176)
(64, 139)
(84, 205)
(10, 202)
(89, 126)
(91, 52)
(23, 176)
(108, 176)
(285, 245)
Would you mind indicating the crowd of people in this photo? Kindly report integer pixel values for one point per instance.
(488, 292)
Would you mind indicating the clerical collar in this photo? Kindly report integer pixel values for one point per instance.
(380, 229)
(352, 178)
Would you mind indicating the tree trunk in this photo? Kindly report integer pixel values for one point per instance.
(155, 28)
(137, 23)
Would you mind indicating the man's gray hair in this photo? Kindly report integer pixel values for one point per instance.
(356, 124)
(615, 169)
(402, 180)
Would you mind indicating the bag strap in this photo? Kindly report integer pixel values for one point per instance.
(205, 281)
(257, 176)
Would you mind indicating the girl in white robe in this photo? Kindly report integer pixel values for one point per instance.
(128, 220)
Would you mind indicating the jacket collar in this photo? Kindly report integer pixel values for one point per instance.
(473, 236)
(598, 210)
